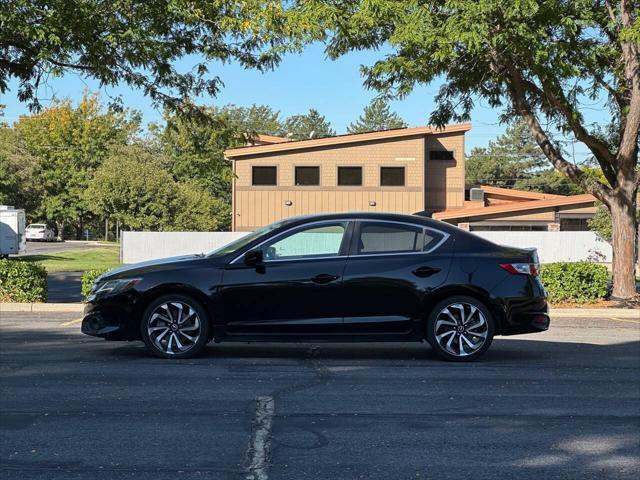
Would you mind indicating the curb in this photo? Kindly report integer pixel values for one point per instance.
(594, 313)
(41, 307)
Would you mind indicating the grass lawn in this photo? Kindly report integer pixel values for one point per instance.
(77, 260)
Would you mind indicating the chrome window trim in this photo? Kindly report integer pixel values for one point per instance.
(445, 237)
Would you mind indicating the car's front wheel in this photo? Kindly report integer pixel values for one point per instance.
(175, 326)
(460, 329)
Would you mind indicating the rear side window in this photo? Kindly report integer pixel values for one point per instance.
(380, 237)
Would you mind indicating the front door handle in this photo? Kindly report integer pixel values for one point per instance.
(425, 271)
(324, 278)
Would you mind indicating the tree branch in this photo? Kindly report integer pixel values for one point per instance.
(517, 90)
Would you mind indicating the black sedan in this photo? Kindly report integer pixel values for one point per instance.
(328, 278)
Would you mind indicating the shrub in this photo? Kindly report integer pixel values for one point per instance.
(22, 282)
(575, 281)
(88, 278)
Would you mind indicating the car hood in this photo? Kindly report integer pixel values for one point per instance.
(142, 268)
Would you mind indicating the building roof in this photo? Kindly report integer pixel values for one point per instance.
(270, 139)
(518, 194)
(236, 153)
(516, 207)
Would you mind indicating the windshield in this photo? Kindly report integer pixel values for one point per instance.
(36, 225)
(246, 240)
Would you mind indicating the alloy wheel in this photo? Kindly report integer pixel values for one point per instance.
(174, 327)
(461, 329)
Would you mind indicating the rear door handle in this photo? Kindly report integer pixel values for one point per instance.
(324, 278)
(425, 271)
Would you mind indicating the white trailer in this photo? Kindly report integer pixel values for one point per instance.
(12, 236)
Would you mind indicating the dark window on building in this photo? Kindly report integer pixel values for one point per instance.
(574, 224)
(508, 228)
(264, 176)
(441, 155)
(392, 176)
(348, 176)
(307, 176)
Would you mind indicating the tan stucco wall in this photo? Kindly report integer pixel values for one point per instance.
(444, 179)
(255, 206)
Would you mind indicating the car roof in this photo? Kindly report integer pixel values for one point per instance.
(397, 217)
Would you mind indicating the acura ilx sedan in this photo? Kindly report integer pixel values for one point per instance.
(357, 277)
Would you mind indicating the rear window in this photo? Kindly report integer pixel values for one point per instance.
(37, 225)
(380, 237)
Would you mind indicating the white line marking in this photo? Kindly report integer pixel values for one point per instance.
(260, 443)
(71, 322)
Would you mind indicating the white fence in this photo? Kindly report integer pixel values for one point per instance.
(141, 246)
(556, 246)
(552, 246)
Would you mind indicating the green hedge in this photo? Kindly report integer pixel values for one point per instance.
(575, 281)
(22, 282)
(88, 278)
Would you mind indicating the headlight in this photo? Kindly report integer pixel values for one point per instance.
(114, 286)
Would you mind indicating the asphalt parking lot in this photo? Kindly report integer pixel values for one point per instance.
(564, 404)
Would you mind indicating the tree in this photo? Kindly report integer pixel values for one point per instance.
(377, 116)
(133, 187)
(64, 145)
(512, 157)
(195, 151)
(540, 62)
(252, 120)
(135, 43)
(309, 125)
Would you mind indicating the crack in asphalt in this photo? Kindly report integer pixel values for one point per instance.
(258, 455)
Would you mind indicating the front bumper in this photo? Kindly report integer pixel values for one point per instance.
(112, 319)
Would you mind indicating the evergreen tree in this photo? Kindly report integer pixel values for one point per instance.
(376, 116)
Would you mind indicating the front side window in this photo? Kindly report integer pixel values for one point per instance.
(306, 176)
(264, 176)
(314, 241)
(392, 176)
(381, 237)
(349, 176)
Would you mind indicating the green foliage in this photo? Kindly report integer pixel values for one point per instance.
(512, 157)
(63, 146)
(376, 116)
(194, 151)
(88, 279)
(133, 187)
(310, 125)
(575, 282)
(22, 282)
(136, 43)
(251, 120)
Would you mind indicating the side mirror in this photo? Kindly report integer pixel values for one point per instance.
(253, 258)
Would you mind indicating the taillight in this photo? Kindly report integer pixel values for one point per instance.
(521, 268)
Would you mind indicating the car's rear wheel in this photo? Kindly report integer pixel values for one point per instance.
(460, 329)
(175, 326)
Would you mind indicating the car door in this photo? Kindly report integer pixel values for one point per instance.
(294, 290)
(391, 269)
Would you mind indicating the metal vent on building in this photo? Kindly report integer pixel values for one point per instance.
(476, 195)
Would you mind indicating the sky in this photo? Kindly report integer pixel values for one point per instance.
(303, 81)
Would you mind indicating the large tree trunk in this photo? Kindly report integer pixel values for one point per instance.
(623, 218)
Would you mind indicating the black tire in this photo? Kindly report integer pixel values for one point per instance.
(159, 348)
(455, 349)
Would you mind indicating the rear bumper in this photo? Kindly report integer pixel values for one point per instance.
(522, 305)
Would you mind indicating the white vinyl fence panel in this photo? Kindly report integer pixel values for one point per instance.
(142, 246)
(552, 246)
(556, 246)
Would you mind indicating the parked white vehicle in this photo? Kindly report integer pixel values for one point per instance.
(40, 232)
(12, 231)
